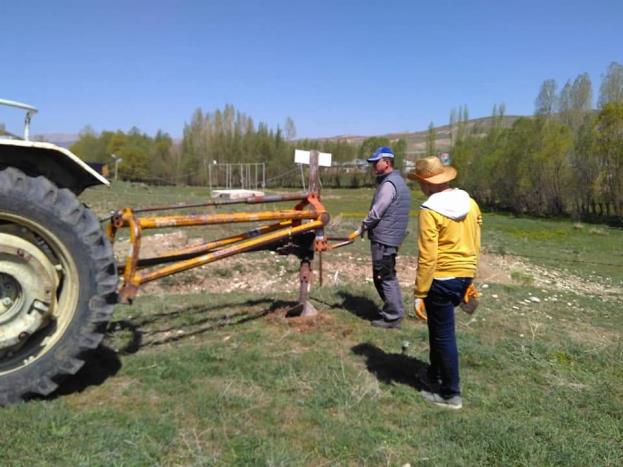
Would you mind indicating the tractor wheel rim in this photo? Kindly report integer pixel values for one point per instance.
(28, 279)
(11, 297)
(58, 293)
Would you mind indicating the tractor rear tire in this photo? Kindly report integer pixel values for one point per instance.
(58, 284)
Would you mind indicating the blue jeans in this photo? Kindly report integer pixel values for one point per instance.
(442, 297)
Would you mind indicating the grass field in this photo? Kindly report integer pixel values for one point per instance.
(221, 377)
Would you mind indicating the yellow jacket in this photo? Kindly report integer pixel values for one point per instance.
(448, 238)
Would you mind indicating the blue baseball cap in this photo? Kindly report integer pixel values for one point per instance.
(381, 152)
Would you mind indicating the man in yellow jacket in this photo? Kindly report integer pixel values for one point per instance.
(448, 251)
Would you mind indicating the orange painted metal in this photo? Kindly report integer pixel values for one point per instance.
(133, 279)
(213, 245)
(290, 223)
(212, 219)
(309, 215)
(227, 251)
(255, 199)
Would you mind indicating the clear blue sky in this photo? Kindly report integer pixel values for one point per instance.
(335, 67)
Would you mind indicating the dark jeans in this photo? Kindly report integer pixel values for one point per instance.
(442, 297)
(385, 280)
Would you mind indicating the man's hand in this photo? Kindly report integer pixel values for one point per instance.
(420, 309)
(357, 233)
(470, 299)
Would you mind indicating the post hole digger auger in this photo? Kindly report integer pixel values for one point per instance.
(58, 274)
(298, 231)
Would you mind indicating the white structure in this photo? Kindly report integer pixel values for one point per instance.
(234, 176)
(235, 194)
(302, 157)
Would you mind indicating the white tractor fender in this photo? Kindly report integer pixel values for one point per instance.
(36, 158)
(58, 164)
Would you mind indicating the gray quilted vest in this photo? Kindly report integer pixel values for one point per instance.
(392, 228)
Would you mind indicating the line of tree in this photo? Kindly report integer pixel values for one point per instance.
(144, 157)
(565, 160)
(226, 136)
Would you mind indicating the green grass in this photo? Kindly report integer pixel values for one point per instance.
(222, 379)
(241, 385)
(583, 249)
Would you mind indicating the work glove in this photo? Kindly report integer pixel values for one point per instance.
(420, 309)
(357, 233)
(470, 300)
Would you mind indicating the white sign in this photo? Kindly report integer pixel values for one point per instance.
(302, 157)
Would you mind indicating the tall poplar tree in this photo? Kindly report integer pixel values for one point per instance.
(545, 103)
(431, 140)
(611, 89)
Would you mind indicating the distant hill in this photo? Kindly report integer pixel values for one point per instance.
(416, 141)
(60, 139)
(7, 134)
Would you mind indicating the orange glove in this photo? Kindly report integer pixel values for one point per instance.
(470, 299)
(420, 309)
(357, 233)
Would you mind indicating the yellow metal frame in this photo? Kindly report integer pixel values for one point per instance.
(309, 215)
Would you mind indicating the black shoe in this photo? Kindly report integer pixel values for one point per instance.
(383, 323)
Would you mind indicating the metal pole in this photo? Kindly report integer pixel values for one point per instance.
(304, 307)
(210, 178)
(27, 125)
(302, 176)
(117, 162)
(314, 186)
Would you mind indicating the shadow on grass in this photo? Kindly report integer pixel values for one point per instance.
(99, 365)
(158, 329)
(393, 368)
(183, 323)
(362, 307)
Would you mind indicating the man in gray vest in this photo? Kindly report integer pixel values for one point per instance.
(386, 225)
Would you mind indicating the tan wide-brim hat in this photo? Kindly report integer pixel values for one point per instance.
(431, 170)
